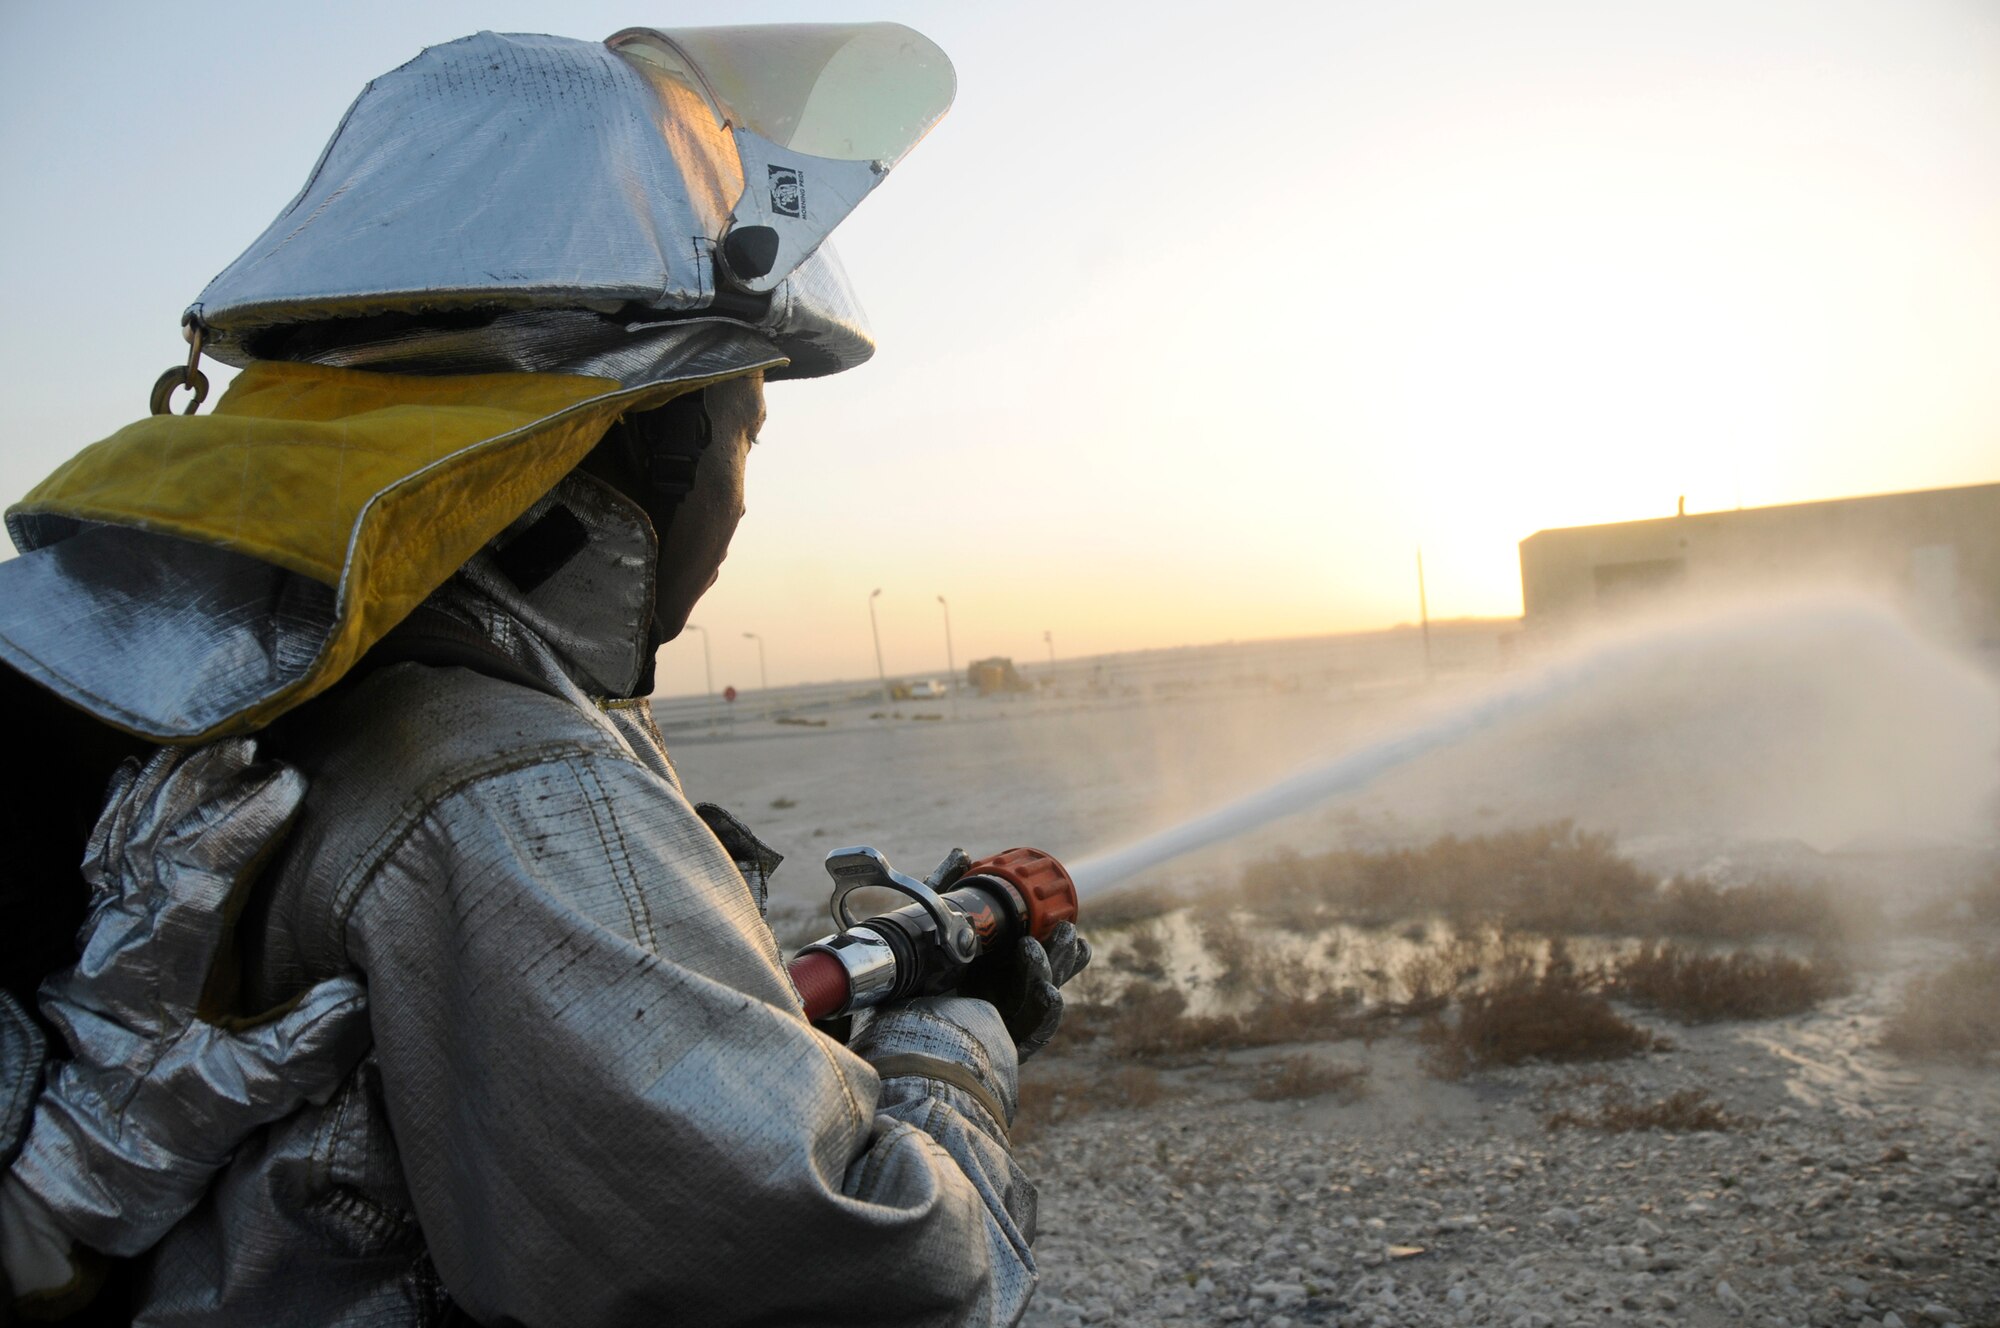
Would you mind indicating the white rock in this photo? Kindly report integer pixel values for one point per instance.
(1279, 1292)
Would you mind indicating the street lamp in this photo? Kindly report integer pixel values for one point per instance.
(707, 673)
(1424, 612)
(950, 664)
(763, 678)
(877, 633)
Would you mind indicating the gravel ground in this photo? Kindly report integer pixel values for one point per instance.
(1859, 1191)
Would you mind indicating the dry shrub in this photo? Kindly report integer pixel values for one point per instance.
(1979, 906)
(1982, 902)
(1146, 954)
(1689, 1111)
(1769, 906)
(1152, 1023)
(1550, 878)
(1698, 988)
(1133, 904)
(1255, 969)
(1135, 1086)
(1034, 1107)
(1321, 1018)
(1953, 1014)
(1427, 974)
(1241, 959)
(1293, 1078)
(1047, 1101)
(1558, 1014)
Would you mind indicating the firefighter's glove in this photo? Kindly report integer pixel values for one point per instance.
(1025, 984)
(163, 1083)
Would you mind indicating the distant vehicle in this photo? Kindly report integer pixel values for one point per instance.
(927, 689)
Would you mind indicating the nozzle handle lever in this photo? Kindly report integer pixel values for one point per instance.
(861, 868)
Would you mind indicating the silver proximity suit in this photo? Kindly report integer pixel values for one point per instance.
(592, 1097)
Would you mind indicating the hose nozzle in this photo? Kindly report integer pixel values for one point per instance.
(924, 947)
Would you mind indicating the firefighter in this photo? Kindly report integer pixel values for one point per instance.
(461, 1006)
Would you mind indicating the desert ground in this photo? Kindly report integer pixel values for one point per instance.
(1319, 1138)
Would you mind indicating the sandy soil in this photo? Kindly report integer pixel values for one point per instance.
(1854, 1189)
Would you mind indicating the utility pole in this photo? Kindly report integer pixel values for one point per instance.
(1424, 612)
(876, 631)
(707, 674)
(950, 662)
(763, 679)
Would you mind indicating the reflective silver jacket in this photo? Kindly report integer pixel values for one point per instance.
(592, 1098)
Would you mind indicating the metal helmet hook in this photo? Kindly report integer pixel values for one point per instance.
(189, 376)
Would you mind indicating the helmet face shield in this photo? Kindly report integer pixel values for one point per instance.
(820, 113)
(843, 91)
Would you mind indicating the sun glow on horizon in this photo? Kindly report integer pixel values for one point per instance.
(1201, 330)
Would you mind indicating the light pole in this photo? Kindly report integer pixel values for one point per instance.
(707, 673)
(876, 631)
(1424, 612)
(950, 663)
(763, 678)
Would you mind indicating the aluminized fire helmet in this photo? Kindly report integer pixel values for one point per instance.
(537, 199)
(523, 238)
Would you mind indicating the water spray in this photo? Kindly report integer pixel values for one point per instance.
(1554, 683)
(966, 909)
(1309, 788)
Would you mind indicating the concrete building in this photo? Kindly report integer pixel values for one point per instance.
(1936, 553)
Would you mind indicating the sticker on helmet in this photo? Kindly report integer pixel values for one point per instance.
(788, 191)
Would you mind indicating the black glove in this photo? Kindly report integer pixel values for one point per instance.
(1025, 982)
(1026, 985)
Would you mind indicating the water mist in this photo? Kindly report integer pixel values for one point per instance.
(1849, 693)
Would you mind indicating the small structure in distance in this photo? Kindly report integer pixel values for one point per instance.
(994, 676)
(1936, 553)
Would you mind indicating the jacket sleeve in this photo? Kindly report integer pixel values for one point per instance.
(610, 1108)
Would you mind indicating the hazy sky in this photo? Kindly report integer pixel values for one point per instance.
(1194, 321)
